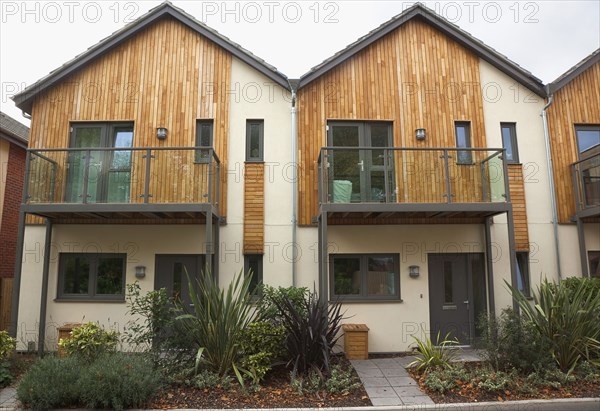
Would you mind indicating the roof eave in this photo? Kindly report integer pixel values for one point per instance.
(574, 72)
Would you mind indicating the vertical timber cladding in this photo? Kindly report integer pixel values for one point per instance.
(517, 198)
(575, 103)
(165, 76)
(254, 208)
(415, 77)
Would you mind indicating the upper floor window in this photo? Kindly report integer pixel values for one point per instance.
(588, 137)
(255, 140)
(463, 140)
(204, 138)
(509, 141)
(91, 276)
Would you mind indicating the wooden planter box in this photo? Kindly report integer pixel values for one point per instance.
(356, 341)
(64, 333)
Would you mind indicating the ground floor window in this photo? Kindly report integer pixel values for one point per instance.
(91, 276)
(365, 276)
(523, 273)
(594, 262)
(254, 263)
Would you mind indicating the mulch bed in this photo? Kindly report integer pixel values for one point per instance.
(275, 392)
(470, 393)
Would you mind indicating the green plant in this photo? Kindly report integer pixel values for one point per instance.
(208, 379)
(494, 381)
(267, 304)
(447, 378)
(51, 383)
(7, 345)
(217, 321)
(90, 341)
(567, 319)
(438, 354)
(341, 381)
(262, 344)
(312, 328)
(118, 381)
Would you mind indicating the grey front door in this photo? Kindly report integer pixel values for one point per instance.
(456, 295)
(170, 274)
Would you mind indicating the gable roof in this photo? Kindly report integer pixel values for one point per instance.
(419, 11)
(13, 131)
(24, 100)
(574, 71)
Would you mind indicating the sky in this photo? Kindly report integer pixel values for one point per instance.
(544, 37)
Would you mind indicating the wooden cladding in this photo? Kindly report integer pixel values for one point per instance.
(574, 104)
(165, 76)
(414, 77)
(517, 198)
(254, 208)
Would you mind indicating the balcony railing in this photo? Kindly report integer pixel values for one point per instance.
(586, 180)
(181, 175)
(411, 175)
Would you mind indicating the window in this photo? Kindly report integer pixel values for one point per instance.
(254, 263)
(509, 141)
(588, 137)
(463, 140)
(594, 260)
(91, 276)
(523, 273)
(365, 276)
(254, 140)
(204, 138)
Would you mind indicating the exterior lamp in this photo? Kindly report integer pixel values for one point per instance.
(140, 271)
(420, 134)
(413, 271)
(161, 133)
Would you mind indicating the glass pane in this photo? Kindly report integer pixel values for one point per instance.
(118, 186)
(76, 274)
(588, 138)
(594, 259)
(463, 140)
(346, 274)
(177, 280)
(123, 139)
(253, 262)
(203, 139)
(346, 165)
(110, 276)
(377, 193)
(255, 141)
(507, 142)
(379, 138)
(381, 276)
(523, 273)
(95, 174)
(448, 283)
(84, 137)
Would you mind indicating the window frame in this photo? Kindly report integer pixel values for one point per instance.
(468, 160)
(364, 296)
(593, 149)
(512, 127)
(203, 156)
(592, 255)
(261, 140)
(93, 259)
(259, 274)
(523, 270)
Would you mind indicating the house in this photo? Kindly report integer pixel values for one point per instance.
(13, 146)
(574, 126)
(406, 176)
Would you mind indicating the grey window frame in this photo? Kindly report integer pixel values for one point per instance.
(593, 149)
(523, 267)
(258, 274)
(468, 160)
(512, 127)
(92, 280)
(203, 156)
(261, 155)
(364, 297)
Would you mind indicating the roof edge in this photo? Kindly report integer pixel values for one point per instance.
(574, 72)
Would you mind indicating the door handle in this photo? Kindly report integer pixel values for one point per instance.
(362, 165)
(467, 303)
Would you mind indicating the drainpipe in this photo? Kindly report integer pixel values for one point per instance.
(294, 186)
(551, 181)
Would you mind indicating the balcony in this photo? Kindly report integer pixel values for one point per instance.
(586, 181)
(116, 184)
(429, 183)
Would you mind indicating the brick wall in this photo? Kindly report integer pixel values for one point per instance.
(10, 216)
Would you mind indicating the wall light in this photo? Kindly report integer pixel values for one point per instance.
(161, 133)
(413, 271)
(420, 134)
(140, 271)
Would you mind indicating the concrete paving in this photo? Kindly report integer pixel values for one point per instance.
(8, 399)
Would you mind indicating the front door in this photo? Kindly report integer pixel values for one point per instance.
(457, 295)
(171, 274)
(359, 171)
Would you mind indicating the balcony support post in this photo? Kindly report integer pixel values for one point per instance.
(16, 289)
(208, 242)
(582, 248)
(44, 295)
(323, 257)
(490, 266)
(512, 254)
(147, 177)
(447, 168)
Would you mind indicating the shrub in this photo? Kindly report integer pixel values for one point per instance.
(90, 341)
(312, 328)
(51, 383)
(567, 319)
(7, 345)
(446, 378)
(432, 355)
(267, 305)
(494, 381)
(340, 381)
(216, 323)
(263, 343)
(118, 381)
(510, 341)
